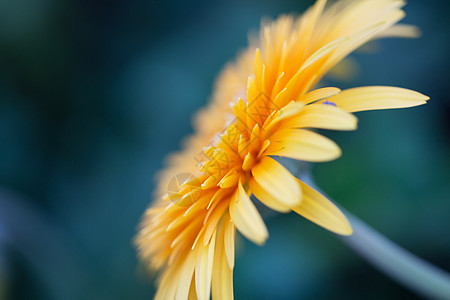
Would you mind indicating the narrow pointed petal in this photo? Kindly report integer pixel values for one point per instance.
(319, 94)
(212, 219)
(302, 144)
(377, 97)
(318, 209)
(290, 110)
(323, 52)
(222, 277)
(401, 31)
(203, 270)
(347, 45)
(186, 274)
(167, 288)
(192, 293)
(258, 69)
(229, 234)
(322, 116)
(247, 218)
(295, 84)
(274, 185)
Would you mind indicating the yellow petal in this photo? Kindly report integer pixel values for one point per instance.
(322, 116)
(229, 240)
(291, 109)
(319, 94)
(323, 52)
(302, 144)
(318, 209)
(313, 16)
(295, 84)
(192, 293)
(283, 97)
(167, 288)
(222, 278)
(267, 199)
(230, 179)
(212, 219)
(247, 218)
(359, 14)
(274, 185)
(203, 270)
(346, 46)
(400, 30)
(377, 97)
(258, 69)
(186, 273)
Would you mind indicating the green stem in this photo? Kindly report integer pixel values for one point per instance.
(404, 267)
(397, 263)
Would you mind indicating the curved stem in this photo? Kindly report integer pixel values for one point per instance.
(407, 269)
(397, 263)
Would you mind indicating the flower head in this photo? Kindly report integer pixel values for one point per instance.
(264, 107)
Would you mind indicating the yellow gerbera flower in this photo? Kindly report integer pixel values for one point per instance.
(263, 107)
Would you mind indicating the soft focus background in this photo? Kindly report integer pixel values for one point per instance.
(93, 95)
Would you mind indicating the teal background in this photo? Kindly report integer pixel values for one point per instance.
(93, 94)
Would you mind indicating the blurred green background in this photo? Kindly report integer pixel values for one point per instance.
(93, 94)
